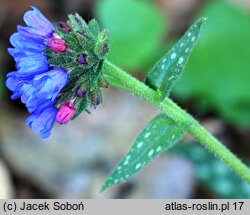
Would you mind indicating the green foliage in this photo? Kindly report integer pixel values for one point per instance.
(158, 136)
(218, 73)
(215, 175)
(136, 27)
(169, 69)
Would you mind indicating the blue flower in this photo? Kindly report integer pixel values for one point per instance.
(43, 121)
(35, 82)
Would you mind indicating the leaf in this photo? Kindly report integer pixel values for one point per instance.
(84, 105)
(94, 27)
(137, 28)
(169, 69)
(218, 73)
(213, 173)
(77, 22)
(157, 137)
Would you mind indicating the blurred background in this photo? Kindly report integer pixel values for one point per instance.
(78, 157)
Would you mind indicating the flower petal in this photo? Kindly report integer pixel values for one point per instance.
(37, 20)
(43, 90)
(42, 122)
(39, 34)
(34, 82)
(29, 61)
(33, 68)
(20, 41)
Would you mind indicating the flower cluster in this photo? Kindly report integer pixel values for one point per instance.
(57, 75)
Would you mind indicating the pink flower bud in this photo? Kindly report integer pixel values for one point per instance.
(66, 112)
(57, 44)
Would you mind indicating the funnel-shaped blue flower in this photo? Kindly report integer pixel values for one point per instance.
(35, 82)
(47, 58)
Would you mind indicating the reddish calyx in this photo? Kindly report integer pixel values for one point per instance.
(57, 44)
(66, 113)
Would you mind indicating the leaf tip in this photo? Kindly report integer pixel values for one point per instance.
(201, 20)
(104, 186)
(102, 189)
(107, 184)
(204, 19)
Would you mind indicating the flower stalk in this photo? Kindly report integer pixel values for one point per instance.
(120, 79)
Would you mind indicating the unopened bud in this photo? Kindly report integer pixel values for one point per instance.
(66, 113)
(56, 44)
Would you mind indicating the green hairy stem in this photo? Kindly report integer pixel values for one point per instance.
(120, 79)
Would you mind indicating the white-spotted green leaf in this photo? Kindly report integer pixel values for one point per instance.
(158, 136)
(169, 69)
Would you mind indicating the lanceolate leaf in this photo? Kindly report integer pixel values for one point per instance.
(215, 77)
(169, 69)
(158, 136)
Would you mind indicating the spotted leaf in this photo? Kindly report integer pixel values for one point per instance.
(169, 69)
(158, 136)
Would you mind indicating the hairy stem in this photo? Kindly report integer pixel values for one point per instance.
(120, 79)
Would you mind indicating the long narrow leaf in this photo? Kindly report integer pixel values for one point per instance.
(168, 70)
(158, 136)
